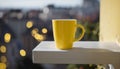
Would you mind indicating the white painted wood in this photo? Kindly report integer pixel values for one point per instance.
(83, 52)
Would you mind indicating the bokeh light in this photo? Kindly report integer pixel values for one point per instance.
(2, 49)
(36, 35)
(29, 24)
(2, 66)
(3, 59)
(22, 52)
(34, 31)
(44, 30)
(39, 37)
(7, 37)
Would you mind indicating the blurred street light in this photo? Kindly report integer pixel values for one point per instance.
(3, 59)
(34, 31)
(39, 37)
(29, 24)
(2, 49)
(2, 66)
(44, 30)
(22, 52)
(7, 37)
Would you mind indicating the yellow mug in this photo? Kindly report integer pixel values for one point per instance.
(64, 32)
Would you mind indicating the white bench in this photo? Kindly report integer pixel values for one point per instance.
(83, 52)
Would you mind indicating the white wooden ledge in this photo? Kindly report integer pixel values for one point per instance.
(83, 52)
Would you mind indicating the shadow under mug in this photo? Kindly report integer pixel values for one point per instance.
(64, 32)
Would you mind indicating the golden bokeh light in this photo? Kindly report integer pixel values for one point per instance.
(44, 30)
(29, 24)
(3, 59)
(2, 66)
(34, 31)
(7, 37)
(36, 35)
(22, 52)
(39, 37)
(2, 49)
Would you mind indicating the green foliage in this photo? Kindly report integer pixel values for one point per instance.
(82, 66)
(72, 66)
(91, 33)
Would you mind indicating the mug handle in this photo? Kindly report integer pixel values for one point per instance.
(82, 34)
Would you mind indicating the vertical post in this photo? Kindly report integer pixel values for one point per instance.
(110, 23)
(110, 20)
(116, 66)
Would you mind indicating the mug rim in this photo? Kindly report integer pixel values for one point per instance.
(64, 19)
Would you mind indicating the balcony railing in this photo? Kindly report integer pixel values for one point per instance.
(83, 52)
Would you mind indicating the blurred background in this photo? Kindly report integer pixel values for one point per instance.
(25, 23)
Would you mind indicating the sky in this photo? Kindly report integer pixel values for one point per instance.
(38, 3)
